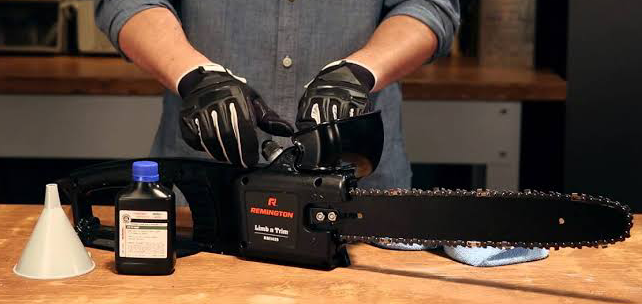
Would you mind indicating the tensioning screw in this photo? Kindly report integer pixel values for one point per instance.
(332, 216)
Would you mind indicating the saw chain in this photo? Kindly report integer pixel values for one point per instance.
(393, 194)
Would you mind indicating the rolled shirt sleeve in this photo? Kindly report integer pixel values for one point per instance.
(111, 15)
(442, 16)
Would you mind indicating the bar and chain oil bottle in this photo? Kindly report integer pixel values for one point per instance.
(145, 224)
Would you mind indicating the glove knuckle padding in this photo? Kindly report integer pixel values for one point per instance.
(236, 128)
(226, 123)
(213, 129)
(189, 134)
(218, 117)
(189, 130)
(334, 103)
(336, 93)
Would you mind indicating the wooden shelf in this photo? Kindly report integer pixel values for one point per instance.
(446, 79)
(464, 79)
(74, 75)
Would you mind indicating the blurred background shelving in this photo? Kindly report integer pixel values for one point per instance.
(446, 79)
(506, 71)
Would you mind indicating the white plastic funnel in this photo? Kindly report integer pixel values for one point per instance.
(54, 250)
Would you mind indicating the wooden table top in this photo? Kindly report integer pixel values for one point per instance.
(612, 275)
(446, 79)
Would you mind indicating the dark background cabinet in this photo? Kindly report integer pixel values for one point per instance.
(603, 151)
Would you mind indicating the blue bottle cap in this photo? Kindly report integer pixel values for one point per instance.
(145, 171)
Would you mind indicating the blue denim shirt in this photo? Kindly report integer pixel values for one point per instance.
(253, 37)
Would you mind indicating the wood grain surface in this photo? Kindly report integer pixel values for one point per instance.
(446, 79)
(612, 275)
(74, 75)
(465, 79)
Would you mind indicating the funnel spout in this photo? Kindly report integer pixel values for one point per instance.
(52, 199)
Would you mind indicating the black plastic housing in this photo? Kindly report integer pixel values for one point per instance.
(283, 195)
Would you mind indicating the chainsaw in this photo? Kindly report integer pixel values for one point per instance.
(305, 206)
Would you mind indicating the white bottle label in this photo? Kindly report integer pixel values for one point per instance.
(143, 234)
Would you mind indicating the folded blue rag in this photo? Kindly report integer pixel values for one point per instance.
(486, 257)
(480, 257)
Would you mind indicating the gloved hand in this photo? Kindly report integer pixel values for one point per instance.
(220, 113)
(339, 91)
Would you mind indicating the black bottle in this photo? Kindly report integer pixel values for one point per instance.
(145, 226)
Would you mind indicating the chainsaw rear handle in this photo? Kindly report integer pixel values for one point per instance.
(205, 185)
(221, 198)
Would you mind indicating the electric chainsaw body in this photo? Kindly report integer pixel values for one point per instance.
(305, 206)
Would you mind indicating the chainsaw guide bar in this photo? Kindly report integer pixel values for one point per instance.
(565, 218)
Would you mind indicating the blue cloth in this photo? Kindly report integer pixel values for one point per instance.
(252, 37)
(485, 257)
(480, 257)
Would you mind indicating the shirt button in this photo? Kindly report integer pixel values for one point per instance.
(287, 61)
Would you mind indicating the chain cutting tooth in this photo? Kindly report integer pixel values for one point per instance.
(473, 244)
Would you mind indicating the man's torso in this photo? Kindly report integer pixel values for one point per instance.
(279, 46)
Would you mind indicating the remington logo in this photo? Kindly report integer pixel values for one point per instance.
(271, 201)
(270, 212)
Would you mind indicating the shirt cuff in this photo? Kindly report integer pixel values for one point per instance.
(111, 16)
(439, 15)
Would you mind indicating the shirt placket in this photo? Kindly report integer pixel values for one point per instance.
(286, 60)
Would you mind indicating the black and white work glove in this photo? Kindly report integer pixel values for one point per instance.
(339, 91)
(220, 114)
